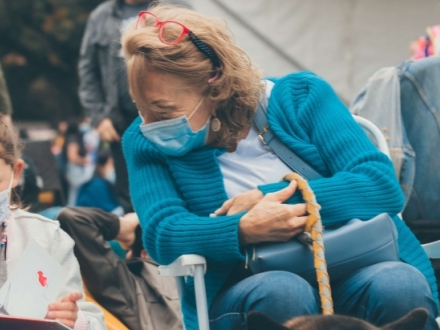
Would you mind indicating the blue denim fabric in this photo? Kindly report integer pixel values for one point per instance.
(379, 102)
(404, 102)
(380, 294)
(279, 294)
(420, 109)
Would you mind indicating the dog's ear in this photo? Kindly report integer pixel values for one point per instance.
(259, 321)
(414, 320)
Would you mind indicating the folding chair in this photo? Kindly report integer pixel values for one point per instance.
(195, 265)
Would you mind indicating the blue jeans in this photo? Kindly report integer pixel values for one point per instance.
(379, 294)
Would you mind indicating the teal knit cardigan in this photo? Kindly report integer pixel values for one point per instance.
(173, 196)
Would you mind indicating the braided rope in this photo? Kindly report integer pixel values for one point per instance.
(314, 227)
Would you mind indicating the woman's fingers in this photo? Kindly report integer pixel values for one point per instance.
(271, 221)
(283, 194)
(289, 228)
(65, 309)
(61, 306)
(107, 131)
(298, 210)
(246, 201)
(296, 225)
(240, 203)
(73, 297)
(63, 314)
(225, 207)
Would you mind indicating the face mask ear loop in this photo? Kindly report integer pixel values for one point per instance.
(142, 118)
(197, 108)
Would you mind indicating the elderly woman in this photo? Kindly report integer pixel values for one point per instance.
(194, 151)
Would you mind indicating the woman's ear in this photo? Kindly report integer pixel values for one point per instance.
(19, 165)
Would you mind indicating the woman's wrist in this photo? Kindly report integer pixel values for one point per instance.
(243, 237)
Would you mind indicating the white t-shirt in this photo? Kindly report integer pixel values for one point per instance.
(253, 163)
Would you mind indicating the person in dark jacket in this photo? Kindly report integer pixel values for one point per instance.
(5, 101)
(103, 89)
(131, 290)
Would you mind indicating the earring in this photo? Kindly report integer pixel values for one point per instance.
(216, 124)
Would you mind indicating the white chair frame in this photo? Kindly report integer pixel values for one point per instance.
(195, 265)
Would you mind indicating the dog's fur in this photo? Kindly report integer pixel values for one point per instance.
(414, 320)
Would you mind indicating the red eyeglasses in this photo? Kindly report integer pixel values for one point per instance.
(171, 33)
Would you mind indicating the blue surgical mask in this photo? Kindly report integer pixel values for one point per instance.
(84, 127)
(5, 202)
(110, 176)
(175, 137)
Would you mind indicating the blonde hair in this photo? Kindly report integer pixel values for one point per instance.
(235, 93)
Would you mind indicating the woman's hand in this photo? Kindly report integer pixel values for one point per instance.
(240, 203)
(270, 220)
(107, 131)
(65, 309)
(127, 230)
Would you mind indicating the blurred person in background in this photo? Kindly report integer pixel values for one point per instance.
(58, 142)
(5, 101)
(57, 151)
(74, 156)
(91, 143)
(426, 45)
(103, 89)
(99, 191)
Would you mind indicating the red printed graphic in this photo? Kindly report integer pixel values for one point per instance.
(41, 278)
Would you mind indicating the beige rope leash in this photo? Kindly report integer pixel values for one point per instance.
(314, 227)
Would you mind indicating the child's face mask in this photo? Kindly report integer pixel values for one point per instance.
(110, 176)
(5, 202)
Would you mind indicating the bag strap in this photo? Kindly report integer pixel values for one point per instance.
(289, 157)
(304, 172)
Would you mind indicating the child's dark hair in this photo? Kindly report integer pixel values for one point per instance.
(103, 157)
(10, 149)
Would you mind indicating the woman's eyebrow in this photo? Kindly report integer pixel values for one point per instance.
(163, 103)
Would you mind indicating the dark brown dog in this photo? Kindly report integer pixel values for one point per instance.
(414, 320)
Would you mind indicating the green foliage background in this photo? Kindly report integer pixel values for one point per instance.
(39, 48)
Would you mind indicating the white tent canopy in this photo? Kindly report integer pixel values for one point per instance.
(344, 41)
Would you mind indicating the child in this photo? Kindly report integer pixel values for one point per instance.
(99, 190)
(17, 226)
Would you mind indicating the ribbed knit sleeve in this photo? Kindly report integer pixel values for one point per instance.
(306, 114)
(169, 228)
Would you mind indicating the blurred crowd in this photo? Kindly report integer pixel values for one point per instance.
(85, 173)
